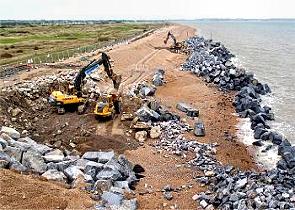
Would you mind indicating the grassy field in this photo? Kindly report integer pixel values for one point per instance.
(19, 43)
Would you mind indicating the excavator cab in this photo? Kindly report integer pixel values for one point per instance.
(108, 106)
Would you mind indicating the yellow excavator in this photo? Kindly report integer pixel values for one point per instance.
(176, 47)
(106, 106)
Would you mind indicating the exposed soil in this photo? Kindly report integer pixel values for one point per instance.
(136, 62)
(29, 192)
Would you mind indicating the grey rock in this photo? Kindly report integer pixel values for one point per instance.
(52, 165)
(34, 161)
(54, 175)
(203, 203)
(54, 156)
(146, 114)
(3, 143)
(10, 132)
(4, 160)
(192, 112)
(168, 195)
(112, 198)
(126, 205)
(199, 129)
(126, 167)
(14, 152)
(103, 185)
(241, 183)
(81, 163)
(61, 166)
(122, 185)
(17, 166)
(73, 172)
(92, 168)
(101, 157)
(109, 173)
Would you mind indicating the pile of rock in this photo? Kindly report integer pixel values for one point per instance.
(152, 111)
(142, 90)
(41, 86)
(104, 174)
(212, 61)
(230, 188)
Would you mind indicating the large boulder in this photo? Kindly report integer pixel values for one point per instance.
(34, 161)
(41, 148)
(73, 172)
(3, 143)
(103, 185)
(10, 132)
(112, 198)
(14, 152)
(17, 166)
(101, 157)
(4, 160)
(109, 173)
(92, 168)
(146, 114)
(199, 129)
(158, 78)
(54, 175)
(54, 156)
(191, 112)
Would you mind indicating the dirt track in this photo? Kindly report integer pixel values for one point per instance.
(136, 62)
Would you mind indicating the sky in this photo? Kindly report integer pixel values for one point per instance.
(145, 9)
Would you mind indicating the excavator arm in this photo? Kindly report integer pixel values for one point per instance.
(172, 37)
(93, 66)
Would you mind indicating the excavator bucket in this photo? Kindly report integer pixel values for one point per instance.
(117, 79)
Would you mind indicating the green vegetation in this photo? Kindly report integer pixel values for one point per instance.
(22, 42)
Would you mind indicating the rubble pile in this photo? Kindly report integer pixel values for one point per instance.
(106, 176)
(212, 60)
(144, 89)
(42, 86)
(228, 187)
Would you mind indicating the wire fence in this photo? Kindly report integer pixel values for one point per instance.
(52, 57)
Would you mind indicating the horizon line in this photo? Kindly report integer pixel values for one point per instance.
(129, 19)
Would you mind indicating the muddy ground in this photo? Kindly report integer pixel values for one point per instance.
(136, 62)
